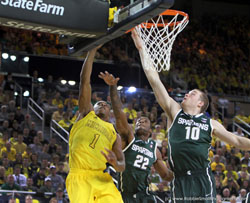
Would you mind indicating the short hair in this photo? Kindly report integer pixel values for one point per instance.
(204, 98)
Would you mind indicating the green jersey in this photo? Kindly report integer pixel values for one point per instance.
(140, 156)
(189, 141)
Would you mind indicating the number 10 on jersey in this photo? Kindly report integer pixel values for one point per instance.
(193, 133)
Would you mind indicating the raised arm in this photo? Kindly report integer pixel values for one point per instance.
(230, 138)
(85, 105)
(122, 125)
(162, 169)
(169, 105)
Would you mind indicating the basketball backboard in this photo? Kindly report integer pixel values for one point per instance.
(83, 24)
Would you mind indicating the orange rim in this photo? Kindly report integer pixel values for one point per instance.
(168, 12)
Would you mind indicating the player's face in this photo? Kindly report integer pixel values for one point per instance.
(143, 123)
(192, 98)
(102, 107)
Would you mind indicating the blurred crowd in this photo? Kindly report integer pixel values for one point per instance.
(32, 161)
(208, 52)
(31, 42)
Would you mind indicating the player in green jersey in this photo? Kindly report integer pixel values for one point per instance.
(190, 134)
(140, 152)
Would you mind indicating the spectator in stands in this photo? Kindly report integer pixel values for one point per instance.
(39, 178)
(7, 166)
(36, 146)
(52, 145)
(18, 161)
(9, 86)
(53, 200)
(229, 168)
(11, 117)
(222, 159)
(27, 153)
(26, 138)
(216, 162)
(3, 139)
(5, 127)
(132, 114)
(28, 199)
(2, 176)
(44, 153)
(27, 122)
(47, 187)
(163, 149)
(12, 106)
(49, 86)
(59, 196)
(55, 160)
(246, 159)
(56, 180)
(66, 123)
(9, 151)
(60, 153)
(3, 97)
(60, 170)
(20, 146)
(57, 99)
(3, 113)
(58, 115)
(33, 130)
(15, 126)
(243, 170)
(25, 168)
(11, 185)
(19, 178)
(94, 98)
(226, 194)
(29, 187)
(70, 102)
(19, 115)
(239, 132)
(230, 183)
(218, 185)
(45, 164)
(242, 195)
(160, 136)
(35, 165)
(41, 138)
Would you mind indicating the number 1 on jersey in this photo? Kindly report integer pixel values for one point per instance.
(94, 141)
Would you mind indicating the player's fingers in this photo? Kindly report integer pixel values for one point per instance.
(107, 158)
(117, 79)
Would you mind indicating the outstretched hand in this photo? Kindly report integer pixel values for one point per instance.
(108, 78)
(137, 40)
(110, 157)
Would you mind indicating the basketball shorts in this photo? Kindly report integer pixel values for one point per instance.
(91, 187)
(140, 197)
(194, 186)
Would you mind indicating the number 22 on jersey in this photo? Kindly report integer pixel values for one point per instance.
(141, 162)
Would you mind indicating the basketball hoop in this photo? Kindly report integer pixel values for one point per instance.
(158, 35)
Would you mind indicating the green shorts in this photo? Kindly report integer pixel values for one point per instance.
(194, 186)
(140, 197)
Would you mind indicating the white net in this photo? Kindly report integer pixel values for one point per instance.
(158, 35)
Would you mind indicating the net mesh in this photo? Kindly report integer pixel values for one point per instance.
(158, 35)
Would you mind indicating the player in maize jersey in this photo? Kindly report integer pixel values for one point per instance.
(93, 142)
(140, 152)
(189, 136)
